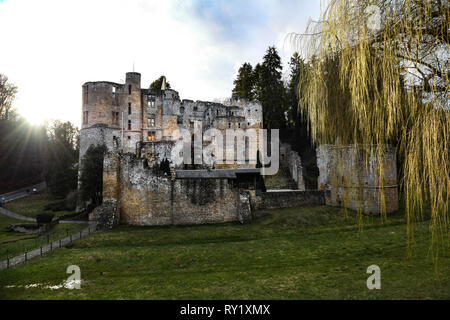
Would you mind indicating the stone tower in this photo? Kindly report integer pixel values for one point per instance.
(112, 114)
(133, 113)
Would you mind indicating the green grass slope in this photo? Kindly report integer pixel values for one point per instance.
(300, 253)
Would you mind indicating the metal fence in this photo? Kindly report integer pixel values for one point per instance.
(39, 245)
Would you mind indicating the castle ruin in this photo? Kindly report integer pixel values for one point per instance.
(141, 128)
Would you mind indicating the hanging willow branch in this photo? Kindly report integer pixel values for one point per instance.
(380, 75)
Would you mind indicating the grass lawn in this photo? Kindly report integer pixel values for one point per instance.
(30, 206)
(298, 253)
(34, 204)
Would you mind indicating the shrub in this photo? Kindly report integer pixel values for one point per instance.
(44, 218)
(92, 174)
(71, 200)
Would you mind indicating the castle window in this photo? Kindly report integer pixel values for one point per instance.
(195, 108)
(115, 118)
(181, 109)
(129, 107)
(151, 136)
(247, 149)
(229, 124)
(129, 124)
(239, 124)
(129, 138)
(151, 103)
(191, 124)
(113, 90)
(129, 89)
(151, 121)
(85, 117)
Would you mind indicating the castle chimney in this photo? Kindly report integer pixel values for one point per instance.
(163, 85)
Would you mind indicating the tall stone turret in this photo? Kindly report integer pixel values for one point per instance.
(101, 115)
(133, 113)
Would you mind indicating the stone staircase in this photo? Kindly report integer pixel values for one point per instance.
(281, 180)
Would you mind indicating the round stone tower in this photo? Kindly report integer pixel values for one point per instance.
(100, 115)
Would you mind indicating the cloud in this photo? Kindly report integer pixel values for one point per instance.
(51, 47)
(229, 21)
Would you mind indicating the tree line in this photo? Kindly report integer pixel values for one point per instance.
(49, 152)
(281, 101)
(30, 153)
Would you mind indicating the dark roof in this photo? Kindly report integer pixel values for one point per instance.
(213, 174)
(248, 170)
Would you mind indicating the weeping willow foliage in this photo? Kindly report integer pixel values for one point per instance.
(380, 75)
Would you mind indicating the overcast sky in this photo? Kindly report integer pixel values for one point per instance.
(49, 48)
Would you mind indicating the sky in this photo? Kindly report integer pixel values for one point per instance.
(49, 48)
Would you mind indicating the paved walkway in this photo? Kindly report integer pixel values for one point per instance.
(13, 195)
(24, 218)
(47, 248)
(15, 215)
(92, 226)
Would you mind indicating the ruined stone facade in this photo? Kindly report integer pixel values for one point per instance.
(290, 173)
(275, 199)
(146, 196)
(140, 128)
(127, 118)
(354, 178)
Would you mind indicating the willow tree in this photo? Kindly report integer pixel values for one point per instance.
(380, 75)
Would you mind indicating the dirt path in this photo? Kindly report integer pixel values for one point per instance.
(15, 215)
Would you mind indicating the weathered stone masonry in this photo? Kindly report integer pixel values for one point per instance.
(139, 128)
(145, 196)
(136, 194)
(354, 178)
(124, 115)
(287, 199)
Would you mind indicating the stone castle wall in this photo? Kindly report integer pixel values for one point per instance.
(286, 199)
(99, 134)
(355, 180)
(147, 197)
(290, 173)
